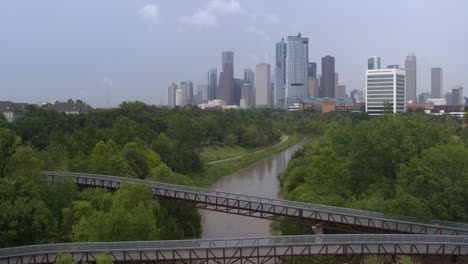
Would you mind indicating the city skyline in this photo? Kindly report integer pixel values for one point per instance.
(73, 56)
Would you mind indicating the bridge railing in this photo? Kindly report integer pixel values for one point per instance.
(370, 239)
(247, 198)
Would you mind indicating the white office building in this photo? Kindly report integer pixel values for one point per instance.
(179, 97)
(385, 91)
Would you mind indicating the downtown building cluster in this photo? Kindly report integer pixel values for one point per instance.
(294, 83)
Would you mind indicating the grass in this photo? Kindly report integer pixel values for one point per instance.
(213, 172)
(214, 153)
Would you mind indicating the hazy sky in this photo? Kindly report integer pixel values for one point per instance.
(59, 49)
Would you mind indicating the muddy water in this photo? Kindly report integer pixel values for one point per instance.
(259, 179)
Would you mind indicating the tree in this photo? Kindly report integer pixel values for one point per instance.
(105, 259)
(64, 259)
(107, 158)
(8, 144)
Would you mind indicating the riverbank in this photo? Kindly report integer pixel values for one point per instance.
(215, 170)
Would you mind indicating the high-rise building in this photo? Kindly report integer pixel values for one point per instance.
(341, 91)
(292, 58)
(262, 85)
(393, 66)
(179, 98)
(212, 83)
(202, 94)
(226, 78)
(411, 82)
(385, 91)
(171, 94)
(312, 70)
(327, 82)
(247, 96)
(373, 63)
(249, 77)
(423, 97)
(448, 98)
(337, 83)
(436, 83)
(457, 95)
(187, 87)
(314, 87)
(238, 83)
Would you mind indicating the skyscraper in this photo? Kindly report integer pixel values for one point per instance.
(263, 85)
(171, 94)
(411, 84)
(238, 83)
(247, 96)
(373, 63)
(226, 78)
(313, 87)
(249, 77)
(341, 91)
(423, 97)
(179, 98)
(212, 83)
(312, 70)
(385, 91)
(292, 58)
(187, 87)
(327, 82)
(436, 82)
(457, 95)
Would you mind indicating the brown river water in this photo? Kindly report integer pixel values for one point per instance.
(259, 179)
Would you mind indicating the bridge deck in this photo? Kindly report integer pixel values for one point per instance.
(273, 208)
(256, 250)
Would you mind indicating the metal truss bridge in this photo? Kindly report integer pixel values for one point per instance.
(429, 242)
(349, 248)
(329, 217)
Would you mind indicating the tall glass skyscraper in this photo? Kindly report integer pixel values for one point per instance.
(373, 63)
(292, 58)
(212, 83)
(410, 67)
(226, 78)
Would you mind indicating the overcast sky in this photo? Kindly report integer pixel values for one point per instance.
(59, 49)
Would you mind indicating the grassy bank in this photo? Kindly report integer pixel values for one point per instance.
(215, 153)
(215, 171)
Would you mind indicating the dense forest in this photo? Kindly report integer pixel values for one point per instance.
(133, 140)
(385, 164)
(404, 165)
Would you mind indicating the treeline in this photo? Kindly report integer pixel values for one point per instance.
(133, 140)
(404, 165)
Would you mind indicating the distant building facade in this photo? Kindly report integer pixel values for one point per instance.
(263, 85)
(341, 91)
(358, 96)
(212, 82)
(457, 95)
(226, 78)
(249, 77)
(325, 105)
(312, 70)
(180, 97)
(12, 111)
(291, 70)
(327, 82)
(187, 87)
(171, 94)
(72, 107)
(373, 63)
(385, 91)
(411, 77)
(436, 82)
(314, 87)
(423, 97)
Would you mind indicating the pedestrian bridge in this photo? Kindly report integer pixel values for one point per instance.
(350, 248)
(351, 220)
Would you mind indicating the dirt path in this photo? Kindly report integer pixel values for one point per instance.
(257, 151)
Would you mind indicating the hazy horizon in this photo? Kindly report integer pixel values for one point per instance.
(55, 50)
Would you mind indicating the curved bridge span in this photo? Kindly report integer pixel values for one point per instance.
(351, 220)
(440, 249)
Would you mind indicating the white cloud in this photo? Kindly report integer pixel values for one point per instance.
(258, 31)
(150, 12)
(209, 15)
